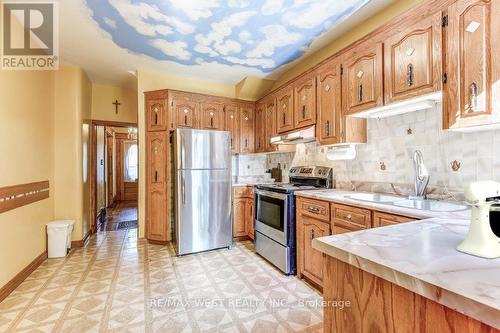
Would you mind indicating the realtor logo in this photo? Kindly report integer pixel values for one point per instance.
(30, 35)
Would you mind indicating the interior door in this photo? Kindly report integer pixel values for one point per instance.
(203, 219)
(202, 149)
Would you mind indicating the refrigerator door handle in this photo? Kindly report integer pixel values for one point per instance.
(183, 188)
(183, 151)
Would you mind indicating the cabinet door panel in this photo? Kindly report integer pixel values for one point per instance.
(270, 124)
(362, 86)
(185, 113)
(413, 60)
(313, 259)
(212, 116)
(250, 218)
(259, 129)
(232, 124)
(156, 114)
(305, 102)
(239, 221)
(329, 104)
(285, 112)
(472, 93)
(247, 130)
(157, 150)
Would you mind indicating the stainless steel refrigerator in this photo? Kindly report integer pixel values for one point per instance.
(203, 203)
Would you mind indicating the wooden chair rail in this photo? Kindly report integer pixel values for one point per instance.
(12, 197)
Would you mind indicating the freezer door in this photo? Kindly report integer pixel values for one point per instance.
(202, 149)
(203, 210)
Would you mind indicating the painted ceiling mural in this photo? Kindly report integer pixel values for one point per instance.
(261, 34)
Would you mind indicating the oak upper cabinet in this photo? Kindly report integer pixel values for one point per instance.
(184, 111)
(329, 103)
(232, 124)
(270, 123)
(212, 116)
(472, 93)
(413, 60)
(247, 128)
(260, 129)
(156, 110)
(284, 102)
(157, 217)
(305, 101)
(362, 83)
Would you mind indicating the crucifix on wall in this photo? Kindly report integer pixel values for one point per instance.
(116, 104)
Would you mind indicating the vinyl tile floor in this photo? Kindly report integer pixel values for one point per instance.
(118, 283)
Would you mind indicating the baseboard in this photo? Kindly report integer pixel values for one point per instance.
(21, 276)
(241, 238)
(80, 243)
(155, 242)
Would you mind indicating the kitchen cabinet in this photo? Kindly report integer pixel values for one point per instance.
(383, 219)
(362, 79)
(413, 60)
(329, 104)
(472, 92)
(156, 111)
(260, 128)
(212, 116)
(284, 102)
(350, 218)
(247, 129)
(243, 212)
(305, 101)
(185, 111)
(270, 123)
(157, 194)
(232, 124)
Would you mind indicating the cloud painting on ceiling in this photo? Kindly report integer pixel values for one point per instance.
(261, 34)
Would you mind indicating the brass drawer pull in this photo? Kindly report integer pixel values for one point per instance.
(349, 217)
(313, 209)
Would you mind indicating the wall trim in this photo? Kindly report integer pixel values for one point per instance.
(80, 243)
(7, 289)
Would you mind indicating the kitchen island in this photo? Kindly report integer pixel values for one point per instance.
(407, 277)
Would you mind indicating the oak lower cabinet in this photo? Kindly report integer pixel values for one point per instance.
(363, 77)
(318, 218)
(472, 92)
(243, 212)
(413, 60)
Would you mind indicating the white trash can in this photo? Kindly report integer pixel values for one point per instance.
(70, 231)
(57, 232)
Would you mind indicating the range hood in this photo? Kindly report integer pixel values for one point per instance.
(425, 102)
(305, 135)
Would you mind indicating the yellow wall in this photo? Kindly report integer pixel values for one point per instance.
(102, 108)
(348, 38)
(72, 112)
(27, 150)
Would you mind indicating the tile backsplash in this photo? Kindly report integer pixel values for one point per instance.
(392, 141)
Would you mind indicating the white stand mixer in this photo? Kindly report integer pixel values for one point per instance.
(481, 241)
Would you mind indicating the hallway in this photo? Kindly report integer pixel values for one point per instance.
(121, 284)
(123, 215)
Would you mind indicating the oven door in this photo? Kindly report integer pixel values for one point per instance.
(271, 215)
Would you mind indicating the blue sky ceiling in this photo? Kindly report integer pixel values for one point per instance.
(262, 34)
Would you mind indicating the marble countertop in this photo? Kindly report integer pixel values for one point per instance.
(420, 256)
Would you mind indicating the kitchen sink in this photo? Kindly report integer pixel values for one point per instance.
(435, 206)
(372, 197)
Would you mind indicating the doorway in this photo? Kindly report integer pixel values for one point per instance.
(115, 159)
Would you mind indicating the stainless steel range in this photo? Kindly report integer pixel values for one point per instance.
(275, 214)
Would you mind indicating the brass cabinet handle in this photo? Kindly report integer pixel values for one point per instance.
(349, 217)
(312, 234)
(474, 91)
(327, 128)
(212, 122)
(246, 143)
(303, 112)
(409, 75)
(313, 209)
(156, 176)
(360, 92)
(284, 118)
(185, 119)
(156, 118)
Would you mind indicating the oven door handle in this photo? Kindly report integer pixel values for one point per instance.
(270, 194)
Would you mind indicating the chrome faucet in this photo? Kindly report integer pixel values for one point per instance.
(421, 176)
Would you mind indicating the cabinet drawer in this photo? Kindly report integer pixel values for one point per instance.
(350, 217)
(314, 208)
(384, 219)
(243, 192)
